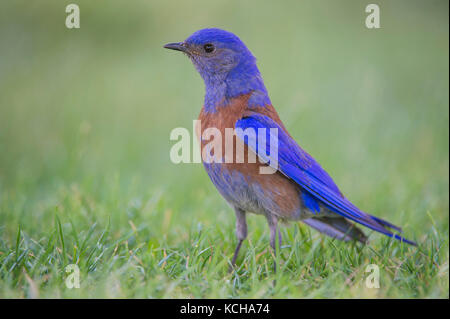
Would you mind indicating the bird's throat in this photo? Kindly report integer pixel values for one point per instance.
(219, 92)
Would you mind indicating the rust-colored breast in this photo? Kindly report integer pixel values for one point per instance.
(275, 192)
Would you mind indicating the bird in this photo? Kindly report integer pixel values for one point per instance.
(297, 188)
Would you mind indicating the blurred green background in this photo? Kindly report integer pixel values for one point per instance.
(85, 118)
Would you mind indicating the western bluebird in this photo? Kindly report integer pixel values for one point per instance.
(299, 188)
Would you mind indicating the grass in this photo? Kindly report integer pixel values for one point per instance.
(85, 176)
(144, 247)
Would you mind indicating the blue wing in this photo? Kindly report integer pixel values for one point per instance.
(276, 148)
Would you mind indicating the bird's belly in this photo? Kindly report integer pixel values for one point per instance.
(244, 187)
(234, 187)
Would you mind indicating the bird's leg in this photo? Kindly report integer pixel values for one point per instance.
(273, 226)
(280, 240)
(241, 233)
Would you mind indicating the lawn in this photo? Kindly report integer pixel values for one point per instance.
(85, 173)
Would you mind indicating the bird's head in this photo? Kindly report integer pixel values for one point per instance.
(214, 52)
(226, 65)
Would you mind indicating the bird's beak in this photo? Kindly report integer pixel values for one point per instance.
(178, 46)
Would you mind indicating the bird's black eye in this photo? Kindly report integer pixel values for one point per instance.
(208, 47)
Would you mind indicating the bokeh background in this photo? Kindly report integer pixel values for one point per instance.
(86, 114)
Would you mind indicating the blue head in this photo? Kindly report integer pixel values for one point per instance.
(226, 65)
